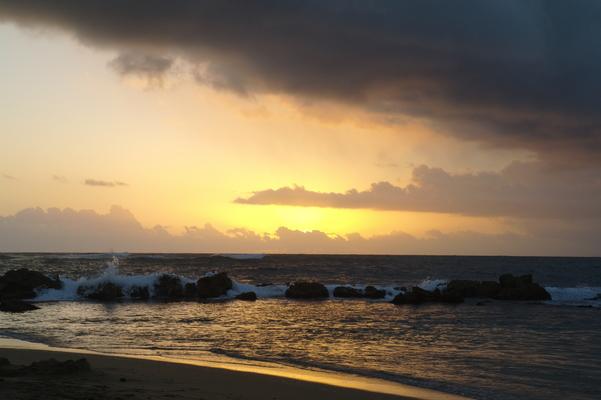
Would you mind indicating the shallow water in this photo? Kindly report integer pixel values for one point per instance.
(502, 350)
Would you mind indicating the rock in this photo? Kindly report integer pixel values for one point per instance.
(510, 281)
(531, 292)
(22, 284)
(168, 287)
(190, 290)
(213, 285)
(139, 293)
(419, 296)
(17, 306)
(307, 290)
(520, 288)
(467, 288)
(371, 292)
(106, 291)
(247, 296)
(347, 292)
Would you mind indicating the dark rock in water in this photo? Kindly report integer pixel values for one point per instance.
(531, 292)
(45, 367)
(419, 296)
(467, 288)
(17, 306)
(307, 290)
(371, 292)
(520, 288)
(247, 296)
(214, 285)
(22, 284)
(168, 287)
(139, 293)
(347, 292)
(510, 281)
(107, 291)
(190, 290)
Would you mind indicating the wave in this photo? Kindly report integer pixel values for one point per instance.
(575, 296)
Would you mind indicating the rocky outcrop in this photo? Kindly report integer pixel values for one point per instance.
(23, 283)
(467, 288)
(190, 290)
(139, 293)
(17, 306)
(247, 296)
(371, 292)
(106, 291)
(419, 296)
(168, 287)
(509, 287)
(307, 290)
(347, 292)
(520, 288)
(213, 285)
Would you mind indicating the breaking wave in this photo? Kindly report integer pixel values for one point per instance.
(575, 296)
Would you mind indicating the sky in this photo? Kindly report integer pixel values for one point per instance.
(389, 127)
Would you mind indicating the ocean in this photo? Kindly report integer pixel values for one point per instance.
(498, 350)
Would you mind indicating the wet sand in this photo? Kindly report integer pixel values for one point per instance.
(115, 377)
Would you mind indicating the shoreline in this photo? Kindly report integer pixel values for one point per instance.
(152, 375)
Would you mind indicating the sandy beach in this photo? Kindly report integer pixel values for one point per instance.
(115, 377)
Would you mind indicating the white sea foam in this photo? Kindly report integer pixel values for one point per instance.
(575, 296)
(431, 284)
(564, 296)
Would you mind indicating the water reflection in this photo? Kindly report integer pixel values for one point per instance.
(497, 351)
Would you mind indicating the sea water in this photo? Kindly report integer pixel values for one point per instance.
(499, 350)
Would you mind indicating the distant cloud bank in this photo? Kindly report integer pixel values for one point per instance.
(35, 229)
(522, 190)
(101, 183)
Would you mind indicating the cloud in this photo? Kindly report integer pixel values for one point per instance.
(97, 182)
(8, 177)
(35, 229)
(507, 73)
(150, 67)
(60, 178)
(522, 190)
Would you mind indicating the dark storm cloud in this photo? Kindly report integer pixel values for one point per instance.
(97, 182)
(145, 65)
(508, 73)
(522, 190)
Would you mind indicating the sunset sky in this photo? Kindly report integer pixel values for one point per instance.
(387, 127)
